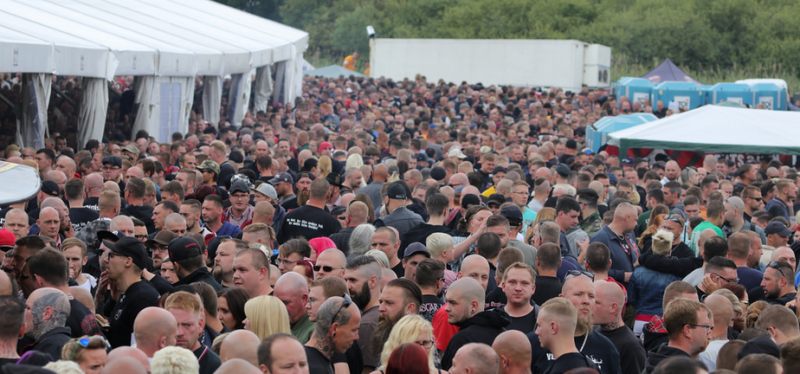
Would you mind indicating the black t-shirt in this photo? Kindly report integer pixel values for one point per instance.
(11, 361)
(526, 324)
(81, 216)
(430, 305)
(496, 298)
(81, 321)
(352, 357)
(92, 203)
(317, 363)
(290, 204)
(399, 270)
(632, 356)
(568, 362)
(122, 314)
(308, 222)
(546, 289)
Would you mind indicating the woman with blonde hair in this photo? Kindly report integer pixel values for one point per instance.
(324, 166)
(89, 352)
(410, 329)
(543, 214)
(266, 315)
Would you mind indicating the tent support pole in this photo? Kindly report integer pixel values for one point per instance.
(67, 98)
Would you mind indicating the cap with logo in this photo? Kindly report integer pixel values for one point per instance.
(184, 248)
(129, 247)
(209, 166)
(239, 186)
(396, 191)
(416, 248)
(267, 190)
(282, 177)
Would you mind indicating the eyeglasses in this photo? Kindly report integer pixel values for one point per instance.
(241, 196)
(734, 280)
(427, 344)
(580, 272)
(347, 302)
(140, 237)
(285, 262)
(108, 168)
(325, 268)
(775, 265)
(707, 327)
(159, 248)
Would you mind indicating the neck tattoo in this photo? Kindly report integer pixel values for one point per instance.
(613, 325)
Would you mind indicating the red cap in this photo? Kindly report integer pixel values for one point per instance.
(324, 145)
(7, 238)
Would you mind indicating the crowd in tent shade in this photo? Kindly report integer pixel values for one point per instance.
(378, 226)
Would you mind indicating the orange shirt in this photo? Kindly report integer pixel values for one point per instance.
(349, 63)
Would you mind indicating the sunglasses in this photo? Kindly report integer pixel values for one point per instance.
(775, 265)
(325, 268)
(580, 272)
(83, 342)
(734, 280)
(347, 302)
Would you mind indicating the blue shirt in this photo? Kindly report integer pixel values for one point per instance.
(624, 253)
(228, 229)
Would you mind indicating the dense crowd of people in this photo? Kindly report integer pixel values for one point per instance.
(386, 227)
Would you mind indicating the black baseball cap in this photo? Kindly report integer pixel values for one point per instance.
(50, 188)
(184, 248)
(396, 191)
(129, 247)
(513, 214)
(415, 248)
(468, 200)
(239, 186)
(496, 198)
(334, 179)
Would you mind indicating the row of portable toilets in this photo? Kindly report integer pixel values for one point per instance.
(689, 95)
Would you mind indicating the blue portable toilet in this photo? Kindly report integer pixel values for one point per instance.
(597, 133)
(685, 95)
(770, 95)
(736, 92)
(636, 89)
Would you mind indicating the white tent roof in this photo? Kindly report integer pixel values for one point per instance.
(717, 129)
(147, 37)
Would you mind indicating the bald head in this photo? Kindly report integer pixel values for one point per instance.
(153, 329)
(93, 181)
(474, 263)
(237, 366)
(609, 292)
(721, 309)
(458, 179)
(381, 173)
(83, 296)
(514, 351)
(480, 358)
(130, 357)
(111, 186)
(134, 172)
(291, 282)
(467, 290)
(240, 345)
(624, 210)
(124, 364)
(470, 190)
(49, 298)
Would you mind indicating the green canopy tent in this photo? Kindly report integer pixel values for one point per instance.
(333, 71)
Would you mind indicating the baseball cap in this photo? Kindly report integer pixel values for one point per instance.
(438, 173)
(113, 160)
(777, 228)
(628, 161)
(267, 190)
(456, 152)
(499, 169)
(183, 248)
(210, 166)
(415, 248)
(468, 200)
(129, 247)
(588, 151)
(305, 174)
(496, 198)
(50, 188)
(163, 238)
(239, 186)
(111, 236)
(513, 214)
(7, 239)
(562, 170)
(486, 149)
(282, 177)
(396, 191)
(324, 145)
(763, 344)
(132, 149)
(334, 179)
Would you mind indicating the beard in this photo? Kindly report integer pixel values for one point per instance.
(584, 325)
(361, 298)
(216, 272)
(302, 197)
(772, 294)
(381, 334)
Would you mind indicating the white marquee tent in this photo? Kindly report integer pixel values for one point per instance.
(163, 43)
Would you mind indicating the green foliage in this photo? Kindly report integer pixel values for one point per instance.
(748, 36)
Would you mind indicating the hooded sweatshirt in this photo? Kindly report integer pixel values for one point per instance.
(654, 334)
(661, 353)
(481, 328)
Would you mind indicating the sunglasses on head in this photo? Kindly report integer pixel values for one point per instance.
(580, 272)
(347, 302)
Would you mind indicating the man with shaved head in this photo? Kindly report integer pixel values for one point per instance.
(330, 263)
(66, 165)
(618, 237)
(514, 351)
(94, 187)
(46, 312)
(128, 360)
(239, 366)
(49, 223)
(240, 344)
(17, 222)
(609, 303)
(373, 190)
(292, 289)
(722, 314)
(466, 300)
(475, 358)
(475, 267)
(154, 329)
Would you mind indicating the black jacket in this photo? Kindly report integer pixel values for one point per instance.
(420, 233)
(52, 342)
(142, 212)
(662, 353)
(200, 275)
(342, 239)
(652, 340)
(481, 328)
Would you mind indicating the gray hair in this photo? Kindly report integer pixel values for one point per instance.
(361, 239)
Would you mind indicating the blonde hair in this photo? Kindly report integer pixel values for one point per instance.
(73, 351)
(324, 165)
(64, 367)
(438, 243)
(383, 260)
(174, 360)
(267, 316)
(407, 330)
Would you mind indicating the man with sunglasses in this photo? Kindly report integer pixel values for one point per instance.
(336, 329)
(753, 201)
(719, 271)
(778, 283)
